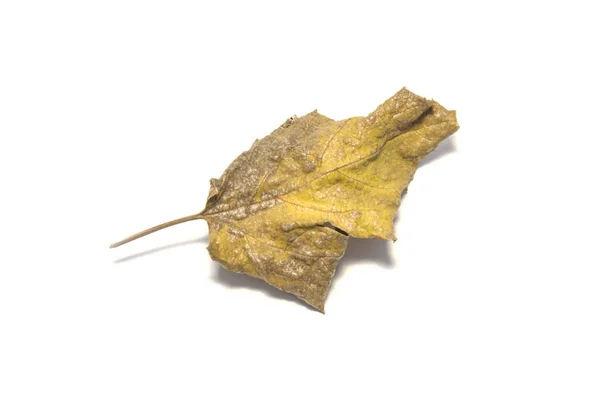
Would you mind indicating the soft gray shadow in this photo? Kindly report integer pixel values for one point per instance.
(236, 280)
(203, 239)
(375, 251)
(448, 146)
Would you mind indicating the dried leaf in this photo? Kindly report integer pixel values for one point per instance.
(283, 210)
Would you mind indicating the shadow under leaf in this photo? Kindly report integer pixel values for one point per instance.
(155, 250)
(447, 146)
(236, 280)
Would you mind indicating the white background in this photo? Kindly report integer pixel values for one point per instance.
(115, 114)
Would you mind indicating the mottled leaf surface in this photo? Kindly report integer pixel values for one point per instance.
(283, 210)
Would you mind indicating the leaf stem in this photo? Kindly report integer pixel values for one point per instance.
(157, 228)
